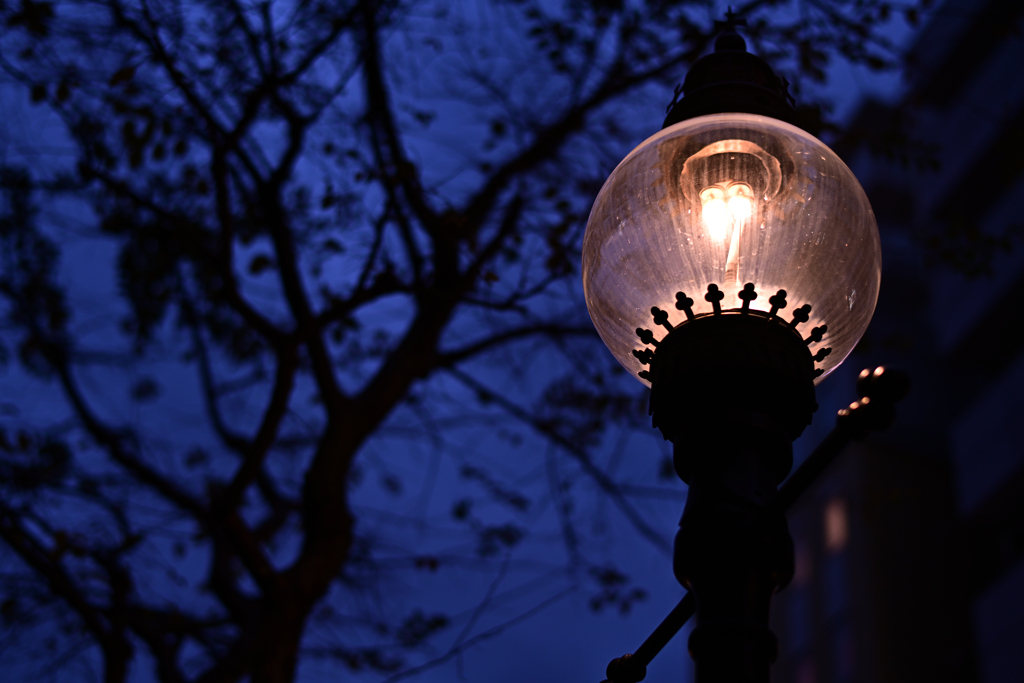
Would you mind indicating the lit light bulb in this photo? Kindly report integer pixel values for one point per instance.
(716, 218)
(725, 208)
(714, 212)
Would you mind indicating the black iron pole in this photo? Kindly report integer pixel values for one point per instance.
(879, 390)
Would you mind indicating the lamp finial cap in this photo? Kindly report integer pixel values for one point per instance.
(730, 79)
(728, 39)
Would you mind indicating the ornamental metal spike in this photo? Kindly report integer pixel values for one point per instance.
(817, 334)
(818, 372)
(747, 294)
(778, 301)
(646, 336)
(821, 354)
(714, 297)
(801, 315)
(644, 374)
(685, 304)
(645, 356)
(661, 318)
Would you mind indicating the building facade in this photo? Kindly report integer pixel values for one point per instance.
(910, 550)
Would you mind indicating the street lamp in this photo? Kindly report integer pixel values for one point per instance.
(731, 261)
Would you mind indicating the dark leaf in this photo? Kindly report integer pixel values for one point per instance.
(260, 263)
(332, 246)
(34, 16)
(417, 627)
(493, 539)
(461, 509)
(391, 484)
(63, 92)
(427, 562)
(122, 75)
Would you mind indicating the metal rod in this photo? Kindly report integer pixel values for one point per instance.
(816, 463)
(669, 626)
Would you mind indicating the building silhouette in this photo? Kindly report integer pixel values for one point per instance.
(910, 549)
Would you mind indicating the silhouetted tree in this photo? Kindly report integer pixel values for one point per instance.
(254, 253)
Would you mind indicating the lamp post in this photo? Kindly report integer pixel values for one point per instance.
(731, 262)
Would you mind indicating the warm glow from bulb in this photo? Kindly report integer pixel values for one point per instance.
(716, 218)
(725, 206)
(740, 207)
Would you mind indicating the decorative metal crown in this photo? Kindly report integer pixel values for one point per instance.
(714, 296)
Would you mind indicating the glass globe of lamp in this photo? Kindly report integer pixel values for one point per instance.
(731, 199)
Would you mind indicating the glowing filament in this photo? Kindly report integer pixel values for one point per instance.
(725, 207)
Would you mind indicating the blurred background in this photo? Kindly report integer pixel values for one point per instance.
(297, 380)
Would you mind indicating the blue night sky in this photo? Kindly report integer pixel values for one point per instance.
(539, 623)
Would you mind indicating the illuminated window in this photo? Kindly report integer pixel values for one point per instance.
(834, 568)
(836, 526)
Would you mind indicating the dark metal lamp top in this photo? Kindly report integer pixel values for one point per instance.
(730, 79)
